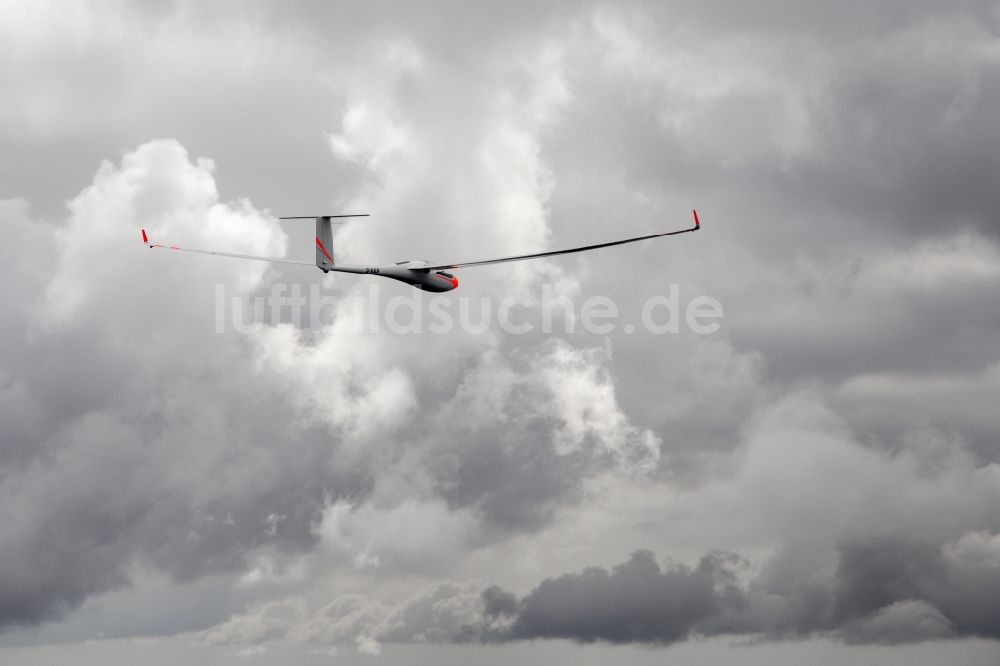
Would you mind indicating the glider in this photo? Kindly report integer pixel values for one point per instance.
(420, 274)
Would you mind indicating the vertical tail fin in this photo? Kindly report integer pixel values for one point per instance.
(324, 243)
(324, 237)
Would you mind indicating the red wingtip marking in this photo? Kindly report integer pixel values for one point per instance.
(697, 222)
(145, 238)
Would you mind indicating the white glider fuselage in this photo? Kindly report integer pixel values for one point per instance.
(421, 278)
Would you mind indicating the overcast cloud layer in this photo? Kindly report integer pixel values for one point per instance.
(825, 466)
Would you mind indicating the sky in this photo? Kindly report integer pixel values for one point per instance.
(816, 479)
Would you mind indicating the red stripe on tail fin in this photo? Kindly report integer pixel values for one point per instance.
(323, 249)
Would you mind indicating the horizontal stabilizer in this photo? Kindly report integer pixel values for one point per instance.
(328, 217)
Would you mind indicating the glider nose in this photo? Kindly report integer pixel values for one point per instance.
(454, 283)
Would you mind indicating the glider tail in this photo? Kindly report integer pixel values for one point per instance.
(324, 243)
(324, 237)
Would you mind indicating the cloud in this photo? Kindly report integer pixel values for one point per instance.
(424, 537)
(88, 482)
(882, 592)
(900, 622)
(131, 361)
(837, 434)
(267, 622)
(925, 173)
(635, 602)
(436, 614)
(876, 547)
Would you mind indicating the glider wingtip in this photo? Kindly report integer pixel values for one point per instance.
(145, 238)
(697, 221)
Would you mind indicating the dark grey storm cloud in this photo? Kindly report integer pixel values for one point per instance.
(884, 591)
(635, 602)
